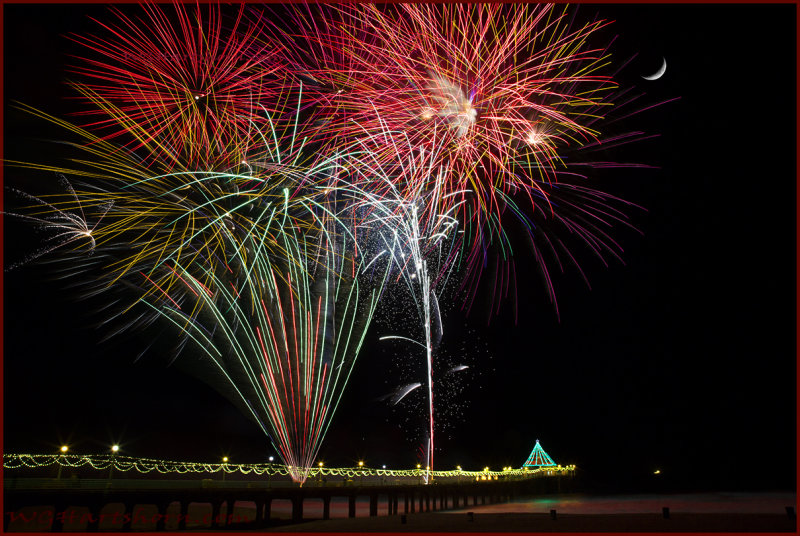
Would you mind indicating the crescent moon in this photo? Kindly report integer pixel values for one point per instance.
(660, 72)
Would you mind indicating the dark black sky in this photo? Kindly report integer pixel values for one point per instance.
(681, 359)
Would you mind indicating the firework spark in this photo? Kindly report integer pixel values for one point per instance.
(284, 333)
(501, 86)
(182, 80)
(266, 224)
(497, 94)
(69, 226)
(420, 250)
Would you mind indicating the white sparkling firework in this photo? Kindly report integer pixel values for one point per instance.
(451, 105)
(419, 242)
(65, 226)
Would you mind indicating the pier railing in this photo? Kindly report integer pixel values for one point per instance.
(113, 464)
(167, 489)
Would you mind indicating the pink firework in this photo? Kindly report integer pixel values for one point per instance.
(502, 86)
(182, 79)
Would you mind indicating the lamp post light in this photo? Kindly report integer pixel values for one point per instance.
(419, 475)
(64, 450)
(361, 466)
(320, 465)
(269, 472)
(225, 465)
(114, 450)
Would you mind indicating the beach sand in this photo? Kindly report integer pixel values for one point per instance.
(448, 522)
(699, 512)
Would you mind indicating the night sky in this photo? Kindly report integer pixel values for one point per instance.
(681, 359)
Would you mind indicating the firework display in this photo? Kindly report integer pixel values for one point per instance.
(284, 332)
(421, 250)
(182, 79)
(260, 185)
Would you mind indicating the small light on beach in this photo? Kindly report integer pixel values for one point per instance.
(657, 472)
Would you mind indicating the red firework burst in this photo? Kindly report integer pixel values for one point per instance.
(184, 80)
(503, 87)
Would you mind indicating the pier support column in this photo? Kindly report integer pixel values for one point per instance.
(406, 500)
(230, 506)
(162, 515)
(351, 506)
(297, 509)
(126, 523)
(259, 520)
(267, 510)
(58, 523)
(373, 505)
(93, 524)
(394, 504)
(183, 515)
(216, 506)
(326, 507)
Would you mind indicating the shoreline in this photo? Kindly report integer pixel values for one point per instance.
(570, 512)
(454, 522)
